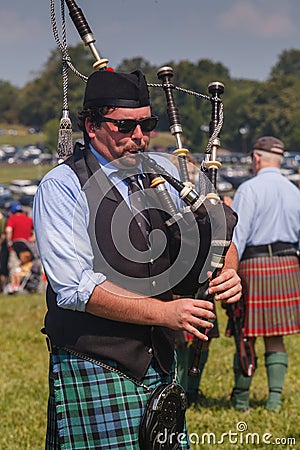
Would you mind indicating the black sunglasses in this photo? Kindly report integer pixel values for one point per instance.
(128, 125)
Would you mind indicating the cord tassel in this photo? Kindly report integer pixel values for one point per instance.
(65, 139)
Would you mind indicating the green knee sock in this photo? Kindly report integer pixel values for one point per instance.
(240, 393)
(276, 364)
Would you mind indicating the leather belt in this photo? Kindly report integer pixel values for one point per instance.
(274, 249)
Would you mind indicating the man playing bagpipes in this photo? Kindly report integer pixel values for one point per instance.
(111, 317)
(267, 237)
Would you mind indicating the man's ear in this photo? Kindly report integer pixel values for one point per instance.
(90, 128)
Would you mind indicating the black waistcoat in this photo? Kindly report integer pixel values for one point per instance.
(132, 346)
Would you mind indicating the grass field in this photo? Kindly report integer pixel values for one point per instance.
(23, 389)
(10, 172)
(23, 375)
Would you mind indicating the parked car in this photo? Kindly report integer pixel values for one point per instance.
(45, 158)
(5, 200)
(26, 200)
(235, 175)
(7, 152)
(25, 155)
(224, 185)
(24, 187)
(4, 190)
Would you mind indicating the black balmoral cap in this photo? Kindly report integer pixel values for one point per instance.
(106, 88)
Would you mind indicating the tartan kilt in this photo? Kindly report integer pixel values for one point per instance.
(91, 407)
(271, 289)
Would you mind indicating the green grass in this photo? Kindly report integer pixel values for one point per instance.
(22, 136)
(23, 375)
(10, 172)
(23, 386)
(22, 140)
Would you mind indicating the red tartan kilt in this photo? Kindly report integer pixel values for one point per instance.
(271, 288)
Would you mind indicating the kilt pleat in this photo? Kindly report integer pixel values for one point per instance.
(271, 288)
(93, 408)
(52, 438)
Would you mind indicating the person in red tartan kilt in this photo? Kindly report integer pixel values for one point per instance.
(267, 238)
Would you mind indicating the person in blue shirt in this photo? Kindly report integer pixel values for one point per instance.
(111, 313)
(267, 238)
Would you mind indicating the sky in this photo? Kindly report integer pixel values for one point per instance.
(246, 36)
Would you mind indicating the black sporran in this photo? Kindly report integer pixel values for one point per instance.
(163, 421)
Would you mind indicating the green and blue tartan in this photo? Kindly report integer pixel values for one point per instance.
(93, 408)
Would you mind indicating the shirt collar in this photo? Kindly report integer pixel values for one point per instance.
(268, 169)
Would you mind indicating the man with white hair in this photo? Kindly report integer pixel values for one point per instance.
(267, 237)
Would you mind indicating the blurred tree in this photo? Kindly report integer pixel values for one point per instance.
(237, 130)
(42, 98)
(129, 65)
(288, 64)
(51, 135)
(273, 109)
(8, 100)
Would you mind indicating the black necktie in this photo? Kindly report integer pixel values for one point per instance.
(138, 204)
